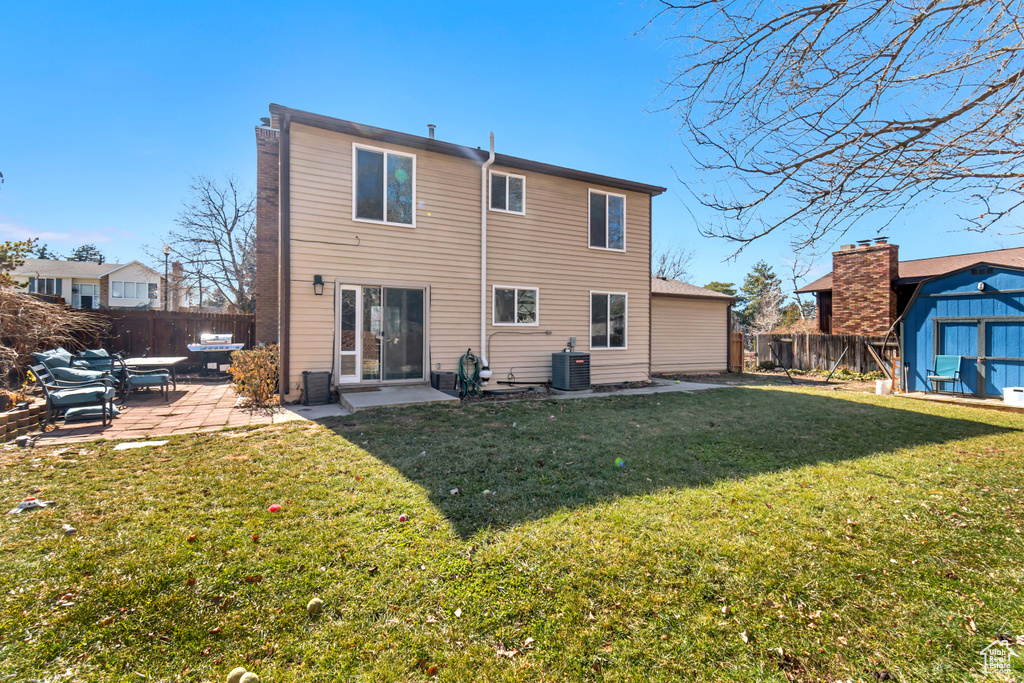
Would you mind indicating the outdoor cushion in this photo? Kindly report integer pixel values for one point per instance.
(88, 413)
(70, 397)
(155, 380)
(57, 358)
(76, 374)
(95, 353)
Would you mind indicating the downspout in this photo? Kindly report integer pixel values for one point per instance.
(485, 370)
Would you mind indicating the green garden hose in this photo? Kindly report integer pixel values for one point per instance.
(469, 375)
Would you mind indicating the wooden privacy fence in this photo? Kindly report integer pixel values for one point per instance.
(735, 352)
(168, 333)
(821, 351)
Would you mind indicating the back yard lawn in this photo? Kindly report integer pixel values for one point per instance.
(763, 534)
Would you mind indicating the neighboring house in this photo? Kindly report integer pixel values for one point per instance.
(86, 284)
(690, 328)
(382, 256)
(965, 305)
(973, 312)
(869, 287)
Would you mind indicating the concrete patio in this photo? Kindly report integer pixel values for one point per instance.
(195, 406)
(969, 401)
(205, 406)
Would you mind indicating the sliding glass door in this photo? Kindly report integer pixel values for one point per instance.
(403, 333)
(381, 334)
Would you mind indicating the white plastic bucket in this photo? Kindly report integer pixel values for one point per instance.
(883, 387)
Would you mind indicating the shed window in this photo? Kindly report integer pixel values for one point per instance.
(515, 305)
(508, 193)
(384, 188)
(607, 221)
(607, 320)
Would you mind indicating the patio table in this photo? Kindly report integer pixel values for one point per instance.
(158, 362)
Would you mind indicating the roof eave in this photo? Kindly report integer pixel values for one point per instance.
(452, 149)
(705, 297)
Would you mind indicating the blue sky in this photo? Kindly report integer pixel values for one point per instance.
(110, 108)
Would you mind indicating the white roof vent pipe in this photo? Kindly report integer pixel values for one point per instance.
(485, 371)
(430, 130)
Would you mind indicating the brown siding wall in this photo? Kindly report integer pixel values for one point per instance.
(267, 241)
(547, 249)
(688, 335)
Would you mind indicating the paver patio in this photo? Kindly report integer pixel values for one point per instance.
(194, 407)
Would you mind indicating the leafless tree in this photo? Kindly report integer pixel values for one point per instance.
(816, 114)
(216, 240)
(673, 263)
(769, 312)
(800, 264)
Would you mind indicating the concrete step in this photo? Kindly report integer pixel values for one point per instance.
(393, 397)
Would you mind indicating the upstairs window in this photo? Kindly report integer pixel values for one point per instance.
(607, 221)
(607, 320)
(508, 193)
(515, 306)
(384, 188)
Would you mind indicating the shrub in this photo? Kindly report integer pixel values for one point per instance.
(255, 373)
(29, 324)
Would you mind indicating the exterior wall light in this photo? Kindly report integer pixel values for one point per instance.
(318, 285)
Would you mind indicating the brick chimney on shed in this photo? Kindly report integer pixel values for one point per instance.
(267, 240)
(863, 296)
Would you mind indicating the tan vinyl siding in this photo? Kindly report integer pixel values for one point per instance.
(546, 249)
(689, 335)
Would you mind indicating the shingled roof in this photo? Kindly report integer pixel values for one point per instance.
(912, 272)
(662, 285)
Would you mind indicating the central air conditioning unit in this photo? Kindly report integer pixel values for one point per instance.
(570, 371)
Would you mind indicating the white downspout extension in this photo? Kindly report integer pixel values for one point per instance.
(485, 371)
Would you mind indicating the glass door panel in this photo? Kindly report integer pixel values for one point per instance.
(373, 333)
(403, 333)
(348, 317)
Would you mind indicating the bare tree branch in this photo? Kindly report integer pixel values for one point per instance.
(216, 241)
(816, 114)
(673, 263)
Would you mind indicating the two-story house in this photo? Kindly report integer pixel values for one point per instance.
(382, 256)
(87, 284)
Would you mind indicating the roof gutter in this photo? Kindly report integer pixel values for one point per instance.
(485, 372)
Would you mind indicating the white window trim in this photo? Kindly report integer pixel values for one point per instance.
(591, 191)
(590, 339)
(135, 288)
(517, 288)
(385, 151)
(36, 281)
(490, 187)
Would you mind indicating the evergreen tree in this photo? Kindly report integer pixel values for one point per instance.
(87, 252)
(761, 287)
(728, 288)
(44, 252)
(12, 255)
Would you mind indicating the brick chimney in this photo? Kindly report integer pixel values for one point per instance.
(267, 187)
(863, 297)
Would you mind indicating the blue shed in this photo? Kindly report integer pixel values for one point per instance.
(976, 312)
